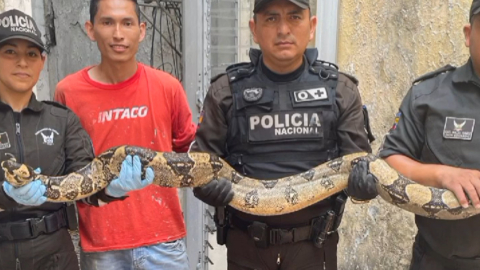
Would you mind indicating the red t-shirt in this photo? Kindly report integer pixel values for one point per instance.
(149, 110)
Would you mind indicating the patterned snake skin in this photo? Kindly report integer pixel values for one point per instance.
(265, 197)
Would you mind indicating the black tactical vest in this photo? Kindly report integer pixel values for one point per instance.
(280, 129)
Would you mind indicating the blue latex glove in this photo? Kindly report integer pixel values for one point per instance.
(32, 194)
(130, 178)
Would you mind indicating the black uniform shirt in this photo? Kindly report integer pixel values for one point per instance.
(437, 124)
(44, 135)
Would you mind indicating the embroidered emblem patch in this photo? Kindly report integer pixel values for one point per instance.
(310, 95)
(252, 94)
(47, 134)
(4, 141)
(458, 128)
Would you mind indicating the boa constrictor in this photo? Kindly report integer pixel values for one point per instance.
(258, 197)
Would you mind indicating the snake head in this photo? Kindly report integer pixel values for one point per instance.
(18, 174)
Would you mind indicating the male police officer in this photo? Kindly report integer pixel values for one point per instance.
(434, 142)
(281, 114)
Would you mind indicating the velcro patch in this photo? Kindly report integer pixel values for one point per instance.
(458, 128)
(310, 95)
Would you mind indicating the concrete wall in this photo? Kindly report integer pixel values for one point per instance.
(386, 44)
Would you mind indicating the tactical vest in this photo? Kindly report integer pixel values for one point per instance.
(280, 129)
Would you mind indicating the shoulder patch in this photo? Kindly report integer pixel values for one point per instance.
(351, 77)
(57, 109)
(433, 74)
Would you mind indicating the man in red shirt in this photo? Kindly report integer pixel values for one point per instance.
(120, 101)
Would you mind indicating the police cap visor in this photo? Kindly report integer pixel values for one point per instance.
(260, 4)
(475, 9)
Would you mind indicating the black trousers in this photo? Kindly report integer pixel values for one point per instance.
(53, 251)
(242, 254)
(424, 258)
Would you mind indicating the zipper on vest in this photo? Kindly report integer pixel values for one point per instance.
(17, 260)
(19, 137)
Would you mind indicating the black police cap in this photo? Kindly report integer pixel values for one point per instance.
(474, 9)
(15, 24)
(260, 4)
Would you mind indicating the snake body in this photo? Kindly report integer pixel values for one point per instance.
(254, 196)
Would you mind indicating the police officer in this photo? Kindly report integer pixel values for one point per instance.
(44, 135)
(434, 142)
(281, 114)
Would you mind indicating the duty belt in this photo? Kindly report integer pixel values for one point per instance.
(317, 231)
(273, 236)
(33, 227)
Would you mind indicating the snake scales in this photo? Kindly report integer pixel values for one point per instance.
(265, 197)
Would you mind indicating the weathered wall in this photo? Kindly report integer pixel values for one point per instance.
(386, 44)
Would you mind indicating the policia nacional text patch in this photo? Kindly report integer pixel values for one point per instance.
(458, 128)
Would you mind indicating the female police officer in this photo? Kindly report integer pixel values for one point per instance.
(33, 234)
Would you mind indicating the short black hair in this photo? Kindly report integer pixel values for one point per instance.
(94, 9)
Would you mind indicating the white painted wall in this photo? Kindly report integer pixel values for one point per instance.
(23, 5)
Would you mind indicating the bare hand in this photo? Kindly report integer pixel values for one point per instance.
(462, 182)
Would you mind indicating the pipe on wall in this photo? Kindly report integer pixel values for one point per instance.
(326, 36)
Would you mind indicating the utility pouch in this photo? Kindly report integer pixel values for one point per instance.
(259, 233)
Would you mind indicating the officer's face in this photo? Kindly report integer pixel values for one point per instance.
(283, 30)
(116, 30)
(21, 62)
(472, 41)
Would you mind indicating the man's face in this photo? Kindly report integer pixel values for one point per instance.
(283, 30)
(21, 62)
(116, 30)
